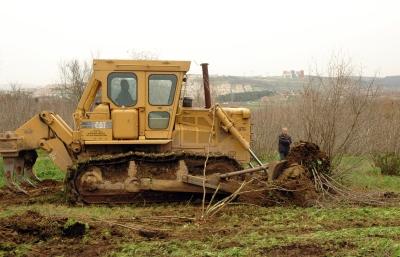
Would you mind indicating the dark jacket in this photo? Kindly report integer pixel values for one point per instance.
(284, 143)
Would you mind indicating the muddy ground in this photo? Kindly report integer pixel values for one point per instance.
(59, 236)
(45, 191)
(44, 225)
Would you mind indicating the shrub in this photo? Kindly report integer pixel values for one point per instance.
(389, 163)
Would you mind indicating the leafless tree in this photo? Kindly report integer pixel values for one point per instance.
(335, 108)
(384, 135)
(17, 106)
(73, 78)
(15, 87)
(267, 121)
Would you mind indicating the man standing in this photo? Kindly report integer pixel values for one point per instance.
(284, 144)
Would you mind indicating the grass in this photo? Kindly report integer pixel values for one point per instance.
(44, 168)
(256, 244)
(359, 173)
(244, 231)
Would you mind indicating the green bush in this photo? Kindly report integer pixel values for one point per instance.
(389, 163)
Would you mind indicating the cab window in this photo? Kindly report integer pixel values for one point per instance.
(162, 89)
(97, 99)
(122, 88)
(158, 120)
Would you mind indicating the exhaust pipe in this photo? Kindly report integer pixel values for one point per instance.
(206, 83)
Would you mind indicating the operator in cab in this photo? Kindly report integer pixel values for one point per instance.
(124, 97)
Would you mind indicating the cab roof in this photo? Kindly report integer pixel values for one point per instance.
(141, 65)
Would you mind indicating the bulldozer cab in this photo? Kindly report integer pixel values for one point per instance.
(131, 101)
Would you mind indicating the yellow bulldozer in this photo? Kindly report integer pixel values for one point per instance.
(134, 132)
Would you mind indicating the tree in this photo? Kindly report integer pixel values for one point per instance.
(335, 108)
(73, 78)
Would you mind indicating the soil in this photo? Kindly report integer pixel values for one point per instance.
(309, 156)
(49, 191)
(287, 190)
(291, 182)
(83, 236)
(58, 236)
(295, 177)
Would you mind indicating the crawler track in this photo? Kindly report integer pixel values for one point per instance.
(150, 165)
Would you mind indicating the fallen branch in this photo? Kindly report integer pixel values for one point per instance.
(142, 231)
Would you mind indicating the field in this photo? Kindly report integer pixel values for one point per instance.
(47, 226)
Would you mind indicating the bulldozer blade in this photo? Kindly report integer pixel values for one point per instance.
(8, 175)
(30, 177)
(14, 167)
(29, 158)
(20, 170)
(31, 182)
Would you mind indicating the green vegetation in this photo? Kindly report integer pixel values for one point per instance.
(19, 250)
(244, 231)
(244, 96)
(44, 169)
(360, 173)
(389, 163)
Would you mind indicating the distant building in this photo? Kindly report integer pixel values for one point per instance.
(292, 74)
(287, 74)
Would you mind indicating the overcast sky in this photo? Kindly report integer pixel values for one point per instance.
(236, 37)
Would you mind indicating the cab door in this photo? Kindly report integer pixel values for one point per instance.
(162, 99)
(124, 93)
